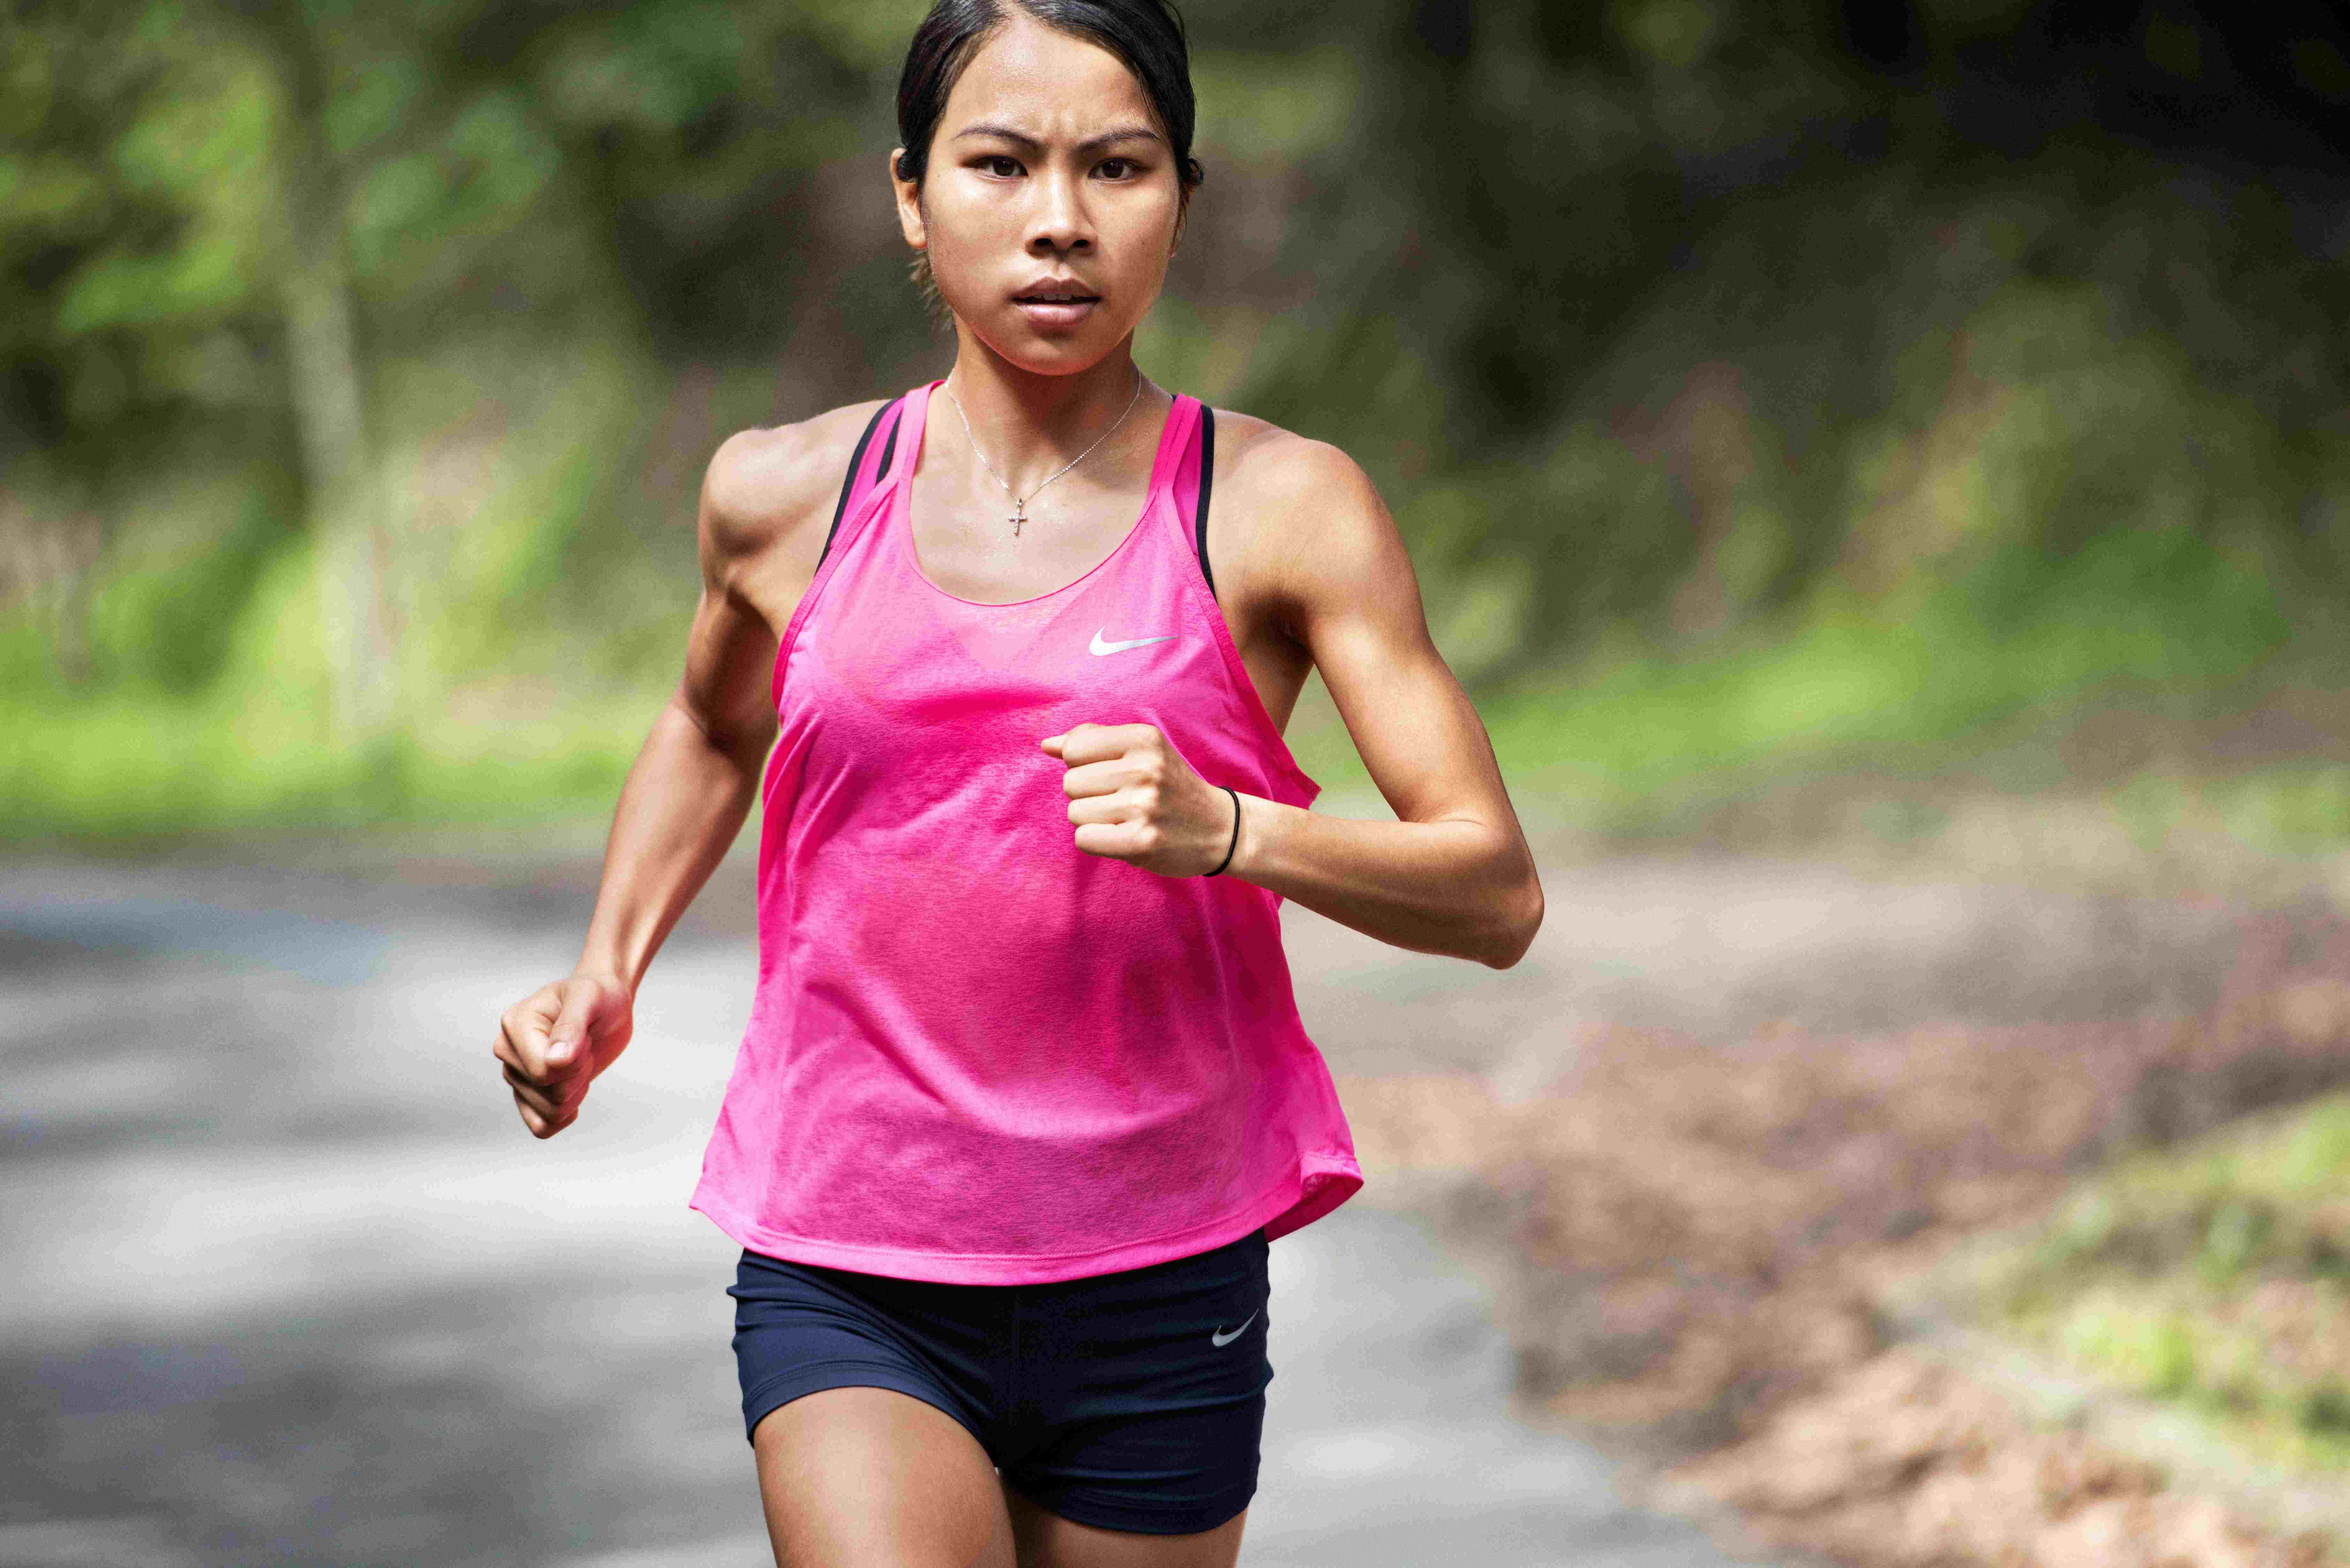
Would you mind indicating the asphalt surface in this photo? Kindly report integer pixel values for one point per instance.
(289, 1284)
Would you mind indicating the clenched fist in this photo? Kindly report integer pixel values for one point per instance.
(554, 1041)
(1132, 797)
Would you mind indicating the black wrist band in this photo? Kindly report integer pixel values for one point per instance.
(1235, 843)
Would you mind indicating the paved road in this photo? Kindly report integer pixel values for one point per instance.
(291, 1286)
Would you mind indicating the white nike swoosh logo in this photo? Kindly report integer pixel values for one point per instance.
(1099, 646)
(1221, 1338)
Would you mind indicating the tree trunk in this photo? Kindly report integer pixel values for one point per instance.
(328, 390)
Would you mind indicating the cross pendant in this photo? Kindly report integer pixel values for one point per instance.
(1019, 515)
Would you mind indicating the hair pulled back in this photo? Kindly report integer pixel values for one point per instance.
(1147, 35)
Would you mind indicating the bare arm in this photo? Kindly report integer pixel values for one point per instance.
(694, 780)
(760, 524)
(1454, 874)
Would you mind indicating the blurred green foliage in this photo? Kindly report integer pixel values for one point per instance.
(1762, 384)
(2215, 1274)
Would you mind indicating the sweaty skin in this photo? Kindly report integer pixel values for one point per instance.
(1048, 164)
(1310, 571)
(1049, 210)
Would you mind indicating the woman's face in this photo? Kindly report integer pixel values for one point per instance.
(1050, 205)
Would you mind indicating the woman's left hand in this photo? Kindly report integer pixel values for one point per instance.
(1132, 797)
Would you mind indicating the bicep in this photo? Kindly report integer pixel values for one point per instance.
(766, 506)
(730, 652)
(730, 659)
(1354, 602)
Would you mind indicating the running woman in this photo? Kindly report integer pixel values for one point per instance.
(1024, 1094)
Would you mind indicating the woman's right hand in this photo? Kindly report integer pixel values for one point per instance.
(554, 1041)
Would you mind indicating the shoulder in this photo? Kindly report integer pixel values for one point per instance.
(1261, 466)
(1309, 524)
(773, 485)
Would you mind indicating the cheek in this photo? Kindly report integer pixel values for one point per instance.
(958, 225)
(1138, 243)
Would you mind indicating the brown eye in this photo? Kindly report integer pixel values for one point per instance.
(1118, 167)
(999, 164)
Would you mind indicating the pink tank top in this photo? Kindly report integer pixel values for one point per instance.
(976, 1052)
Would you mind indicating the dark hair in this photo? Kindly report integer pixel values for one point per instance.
(1147, 35)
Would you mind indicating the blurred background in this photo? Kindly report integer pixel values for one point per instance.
(1772, 390)
(1882, 468)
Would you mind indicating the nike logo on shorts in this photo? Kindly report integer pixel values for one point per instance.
(1220, 1338)
(1099, 646)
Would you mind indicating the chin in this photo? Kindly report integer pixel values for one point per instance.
(1053, 353)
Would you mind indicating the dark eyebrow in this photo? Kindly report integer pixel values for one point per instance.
(1090, 145)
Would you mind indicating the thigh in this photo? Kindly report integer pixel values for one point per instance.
(865, 1400)
(1045, 1540)
(854, 1476)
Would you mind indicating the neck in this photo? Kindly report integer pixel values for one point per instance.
(1031, 424)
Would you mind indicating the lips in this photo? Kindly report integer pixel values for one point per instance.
(1052, 292)
(1056, 303)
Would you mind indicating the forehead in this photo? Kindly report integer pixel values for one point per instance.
(1046, 82)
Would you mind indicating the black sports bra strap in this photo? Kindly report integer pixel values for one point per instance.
(889, 450)
(848, 481)
(1207, 473)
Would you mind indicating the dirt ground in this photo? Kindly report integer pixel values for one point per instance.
(1736, 1098)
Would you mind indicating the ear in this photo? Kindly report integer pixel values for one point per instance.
(909, 205)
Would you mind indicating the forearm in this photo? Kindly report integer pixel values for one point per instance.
(1458, 887)
(683, 803)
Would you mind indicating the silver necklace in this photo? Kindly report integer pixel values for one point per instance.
(1020, 503)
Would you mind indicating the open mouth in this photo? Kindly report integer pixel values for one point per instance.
(1056, 297)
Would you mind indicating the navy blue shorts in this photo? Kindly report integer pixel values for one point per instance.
(1131, 1401)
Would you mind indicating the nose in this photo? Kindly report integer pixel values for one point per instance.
(1060, 224)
